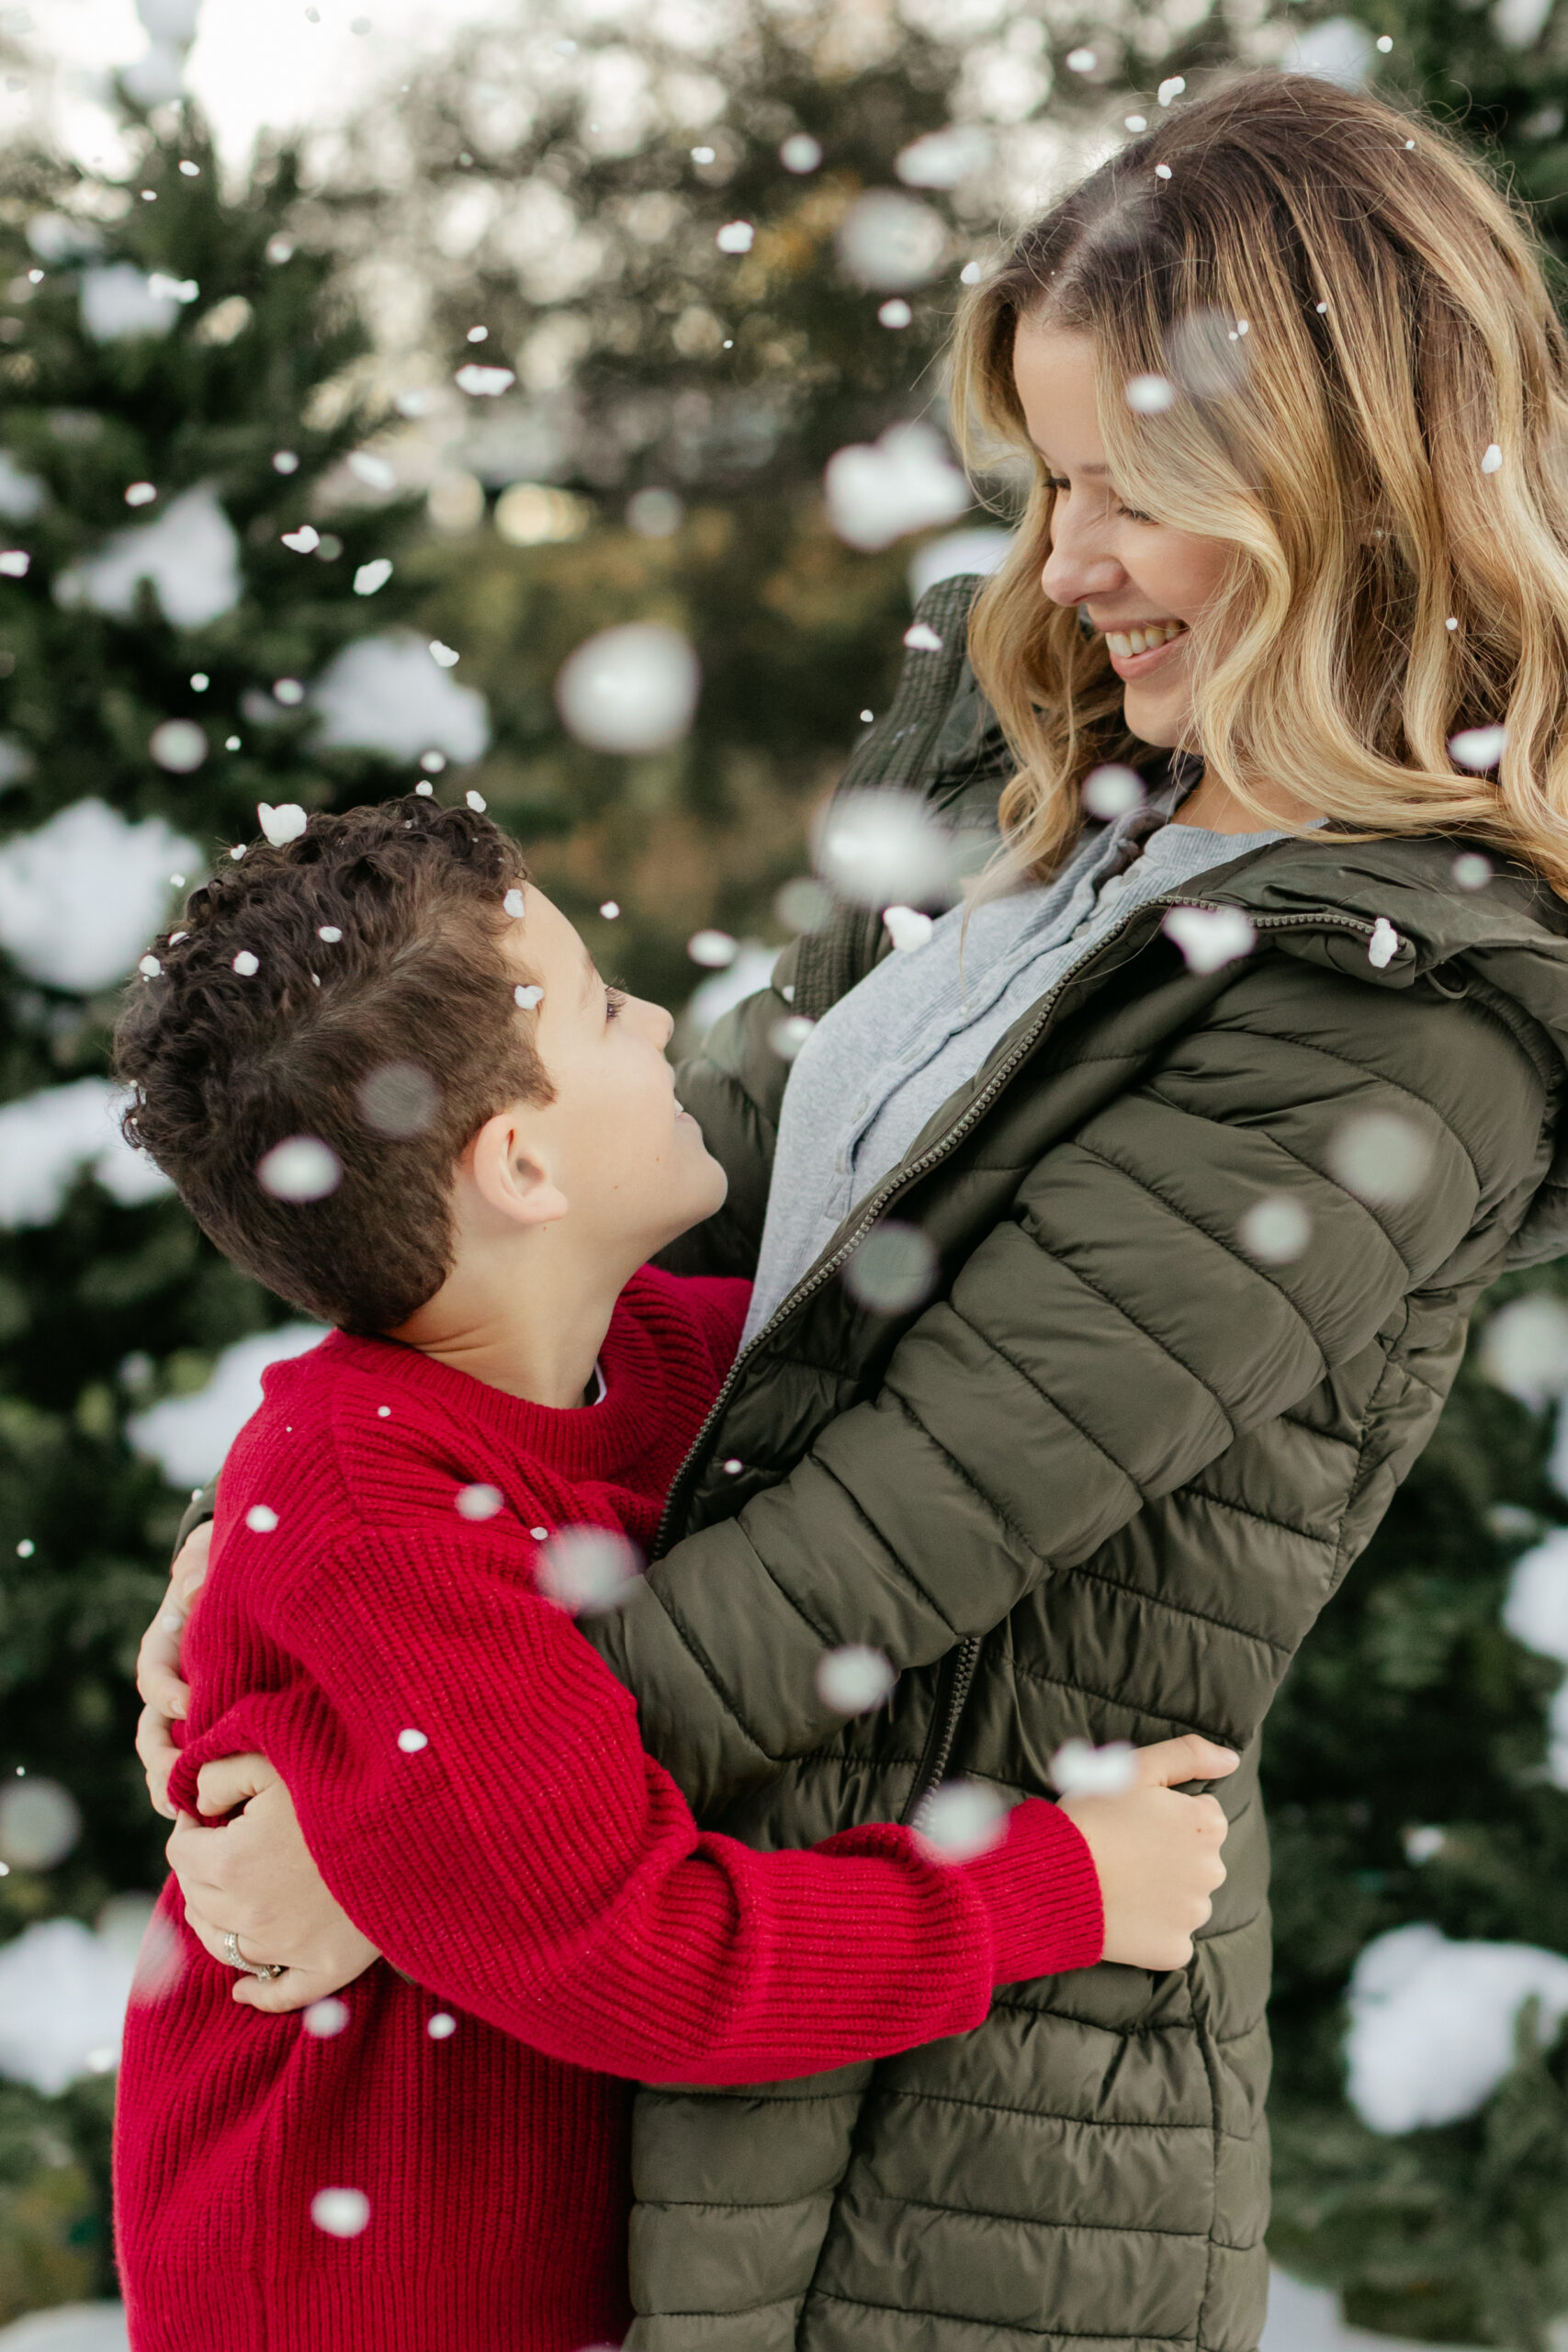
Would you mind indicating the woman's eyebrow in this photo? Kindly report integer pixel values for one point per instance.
(1085, 470)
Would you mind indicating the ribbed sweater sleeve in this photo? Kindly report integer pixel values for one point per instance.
(533, 1865)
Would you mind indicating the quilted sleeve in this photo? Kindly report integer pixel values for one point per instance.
(1103, 1343)
(733, 1086)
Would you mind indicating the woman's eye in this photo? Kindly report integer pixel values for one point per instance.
(1057, 483)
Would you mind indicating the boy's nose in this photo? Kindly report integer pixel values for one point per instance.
(661, 1023)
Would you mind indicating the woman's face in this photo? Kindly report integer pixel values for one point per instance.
(1133, 575)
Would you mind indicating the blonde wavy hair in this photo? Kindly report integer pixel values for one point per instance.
(1397, 324)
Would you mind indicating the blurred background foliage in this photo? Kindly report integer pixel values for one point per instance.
(651, 222)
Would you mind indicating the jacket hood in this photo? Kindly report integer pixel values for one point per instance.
(1506, 942)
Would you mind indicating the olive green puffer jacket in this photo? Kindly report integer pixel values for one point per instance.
(1102, 1484)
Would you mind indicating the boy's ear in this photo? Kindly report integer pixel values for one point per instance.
(509, 1174)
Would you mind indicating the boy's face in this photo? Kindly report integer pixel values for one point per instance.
(631, 1162)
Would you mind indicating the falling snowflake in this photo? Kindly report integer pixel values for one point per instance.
(371, 576)
(1380, 1157)
(920, 637)
(484, 383)
(479, 1501)
(373, 471)
(1491, 458)
(905, 481)
(1471, 871)
(301, 1168)
(513, 903)
(341, 2212)
(630, 689)
(178, 746)
(1210, 937)
(714, 949)
(442, 2025)
(1478, 748)
(246, 964)
(588, 1569)
(883, 849)
(325, 2018)
(853, 1679)
(1079, 1770)
(959, 1820)
(410, 1742)
(908, 927)
(736, 237)
(527, 997)
(894, 312)
(894, 1269)
(1148, 395)
(261, 1519)
(304, 541)
(1275, 1230)
(283, 824)
(1112, 790)
(786, 1037)
(800, 151)
(398, 1098)
(888, 243)
(447, 656)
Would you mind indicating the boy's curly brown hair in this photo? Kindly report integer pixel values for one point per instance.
(391, 1042)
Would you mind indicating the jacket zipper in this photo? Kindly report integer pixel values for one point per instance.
(943, 1726)
(938, 1742)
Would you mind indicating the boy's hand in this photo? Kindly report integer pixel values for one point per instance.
(254, 1876)
(166, 1698)
(1158, 1853)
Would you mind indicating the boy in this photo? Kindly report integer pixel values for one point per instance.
(388, 1082)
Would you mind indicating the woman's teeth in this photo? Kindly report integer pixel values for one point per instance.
(1141, 640)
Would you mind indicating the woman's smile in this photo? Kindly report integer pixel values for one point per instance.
(1138, 665)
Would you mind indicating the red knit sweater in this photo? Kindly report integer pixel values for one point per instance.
(525, 1861)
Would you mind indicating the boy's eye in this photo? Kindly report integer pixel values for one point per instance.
(614, 999)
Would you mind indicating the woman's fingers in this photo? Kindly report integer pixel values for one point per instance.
(231, 1780)
(278, 1995)
(1169, 1762)
(191, 1560)
(157, 1752)
(158, 1660)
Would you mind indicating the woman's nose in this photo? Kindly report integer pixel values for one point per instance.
(1076, 575)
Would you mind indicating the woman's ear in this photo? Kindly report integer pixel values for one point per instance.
(509, 1171)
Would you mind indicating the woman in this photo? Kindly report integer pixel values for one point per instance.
(1215, 1146)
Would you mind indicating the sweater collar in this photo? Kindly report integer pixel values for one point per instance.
(605, 1438)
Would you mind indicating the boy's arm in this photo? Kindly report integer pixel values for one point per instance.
(470, 1781)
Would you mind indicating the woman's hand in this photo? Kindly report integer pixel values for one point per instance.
(254, 1877)
(1157, 1852)
(165, 1698)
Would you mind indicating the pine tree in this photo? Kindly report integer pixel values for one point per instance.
(180, 367)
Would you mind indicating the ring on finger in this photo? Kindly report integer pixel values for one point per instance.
(236, 1959)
